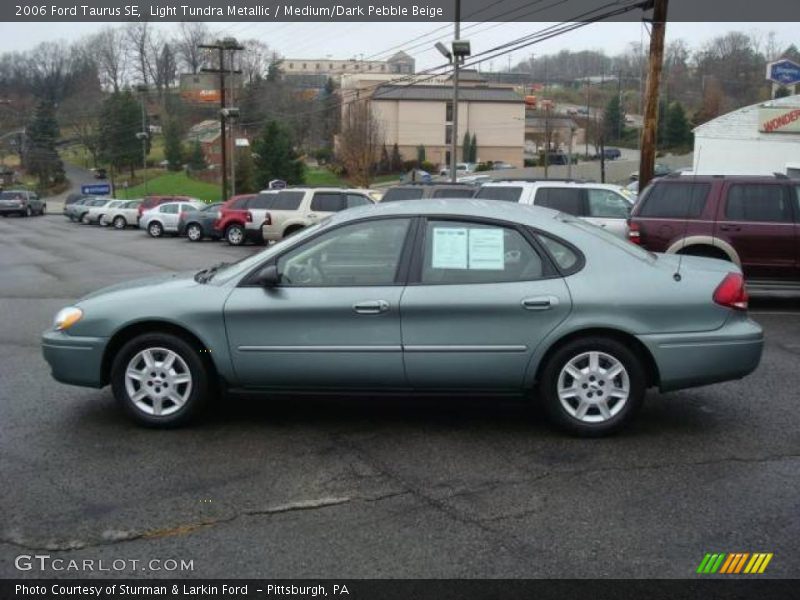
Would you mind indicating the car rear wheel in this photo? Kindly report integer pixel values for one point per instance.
(120, 222)
(592, 386)
(43, 210)
(160, 380)
(155, 229)
(235, 235)
(194, 232)
(101, 222)
(28, 212)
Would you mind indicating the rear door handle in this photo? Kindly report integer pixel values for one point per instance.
(539, 303)
(371, 307)
(730, 228)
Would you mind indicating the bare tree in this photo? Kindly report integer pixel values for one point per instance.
(166, 68)
(360, 143)
(49, 68)
(254, 60)
(109, 48)
(138, 38)
(191, 34)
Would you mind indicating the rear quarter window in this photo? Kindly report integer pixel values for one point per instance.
(496, 192)
(765, 203)
(567, 200)
(399, 193)
(452, 193)
(287, 201)
(685, 200)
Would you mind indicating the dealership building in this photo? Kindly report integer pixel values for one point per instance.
(761, 139)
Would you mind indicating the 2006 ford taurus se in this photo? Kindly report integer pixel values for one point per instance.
(438, 295)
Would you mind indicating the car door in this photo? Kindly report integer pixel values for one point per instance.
(334, 318)
(168, 215)
(324, 204)
(757, 220)
(609, 210)
(480, 299)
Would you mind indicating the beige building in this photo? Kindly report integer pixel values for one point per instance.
(414, 115)
(399, 63)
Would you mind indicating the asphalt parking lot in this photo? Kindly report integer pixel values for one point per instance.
(370, 487)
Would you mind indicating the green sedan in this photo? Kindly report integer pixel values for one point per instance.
(455, 296)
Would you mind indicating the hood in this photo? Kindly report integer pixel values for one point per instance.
(172, 280)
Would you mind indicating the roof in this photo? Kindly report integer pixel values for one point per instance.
(554, 121)
(742, 124)
(442, 93)
(399, 56)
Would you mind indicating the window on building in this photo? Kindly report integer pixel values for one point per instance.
(304, 66)
(330, 65)
(291, 65)
(317, 67)
(383, 67)
(448, 134)
(448, 111)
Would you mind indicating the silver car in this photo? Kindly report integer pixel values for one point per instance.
(95, 213)
(123, 215)
(457, 296)
(164, 218)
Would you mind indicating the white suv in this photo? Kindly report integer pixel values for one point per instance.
(605, 205)
(294, 208)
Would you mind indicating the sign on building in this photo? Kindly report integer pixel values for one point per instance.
(96, 189)
(783, 72)
(785, 119)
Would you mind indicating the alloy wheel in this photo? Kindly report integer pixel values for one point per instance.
(235, 236)
(194, 233)
(119, 222)
(158, 381)
(154, 229)
(593, 387)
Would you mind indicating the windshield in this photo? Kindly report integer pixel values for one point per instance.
(11, 196)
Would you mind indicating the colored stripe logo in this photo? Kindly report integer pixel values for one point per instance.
(734, 563)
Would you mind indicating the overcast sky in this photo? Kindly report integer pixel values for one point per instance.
(378, 40)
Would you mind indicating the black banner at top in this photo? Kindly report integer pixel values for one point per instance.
(393, 10)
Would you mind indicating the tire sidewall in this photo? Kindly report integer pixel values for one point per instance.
(197, 228)
(198, 397)
(155, 229)
(119, 220)
(238, 228)
(548, 385)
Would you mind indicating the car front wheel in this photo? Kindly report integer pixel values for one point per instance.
(120, 222)
(194, 232)
(155, 229)
(160, 380)
(592, 386)
(235, 235)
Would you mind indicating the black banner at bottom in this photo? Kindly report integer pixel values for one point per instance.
(401, 589)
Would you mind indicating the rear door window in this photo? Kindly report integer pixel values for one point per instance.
(240, 202)
(400, 193)
(765, 203)
(675, 200)
(328, 202)
(169, 209)
(509, 193)
(354, 200)
(262, 201)
(567, 200)
(287, 200)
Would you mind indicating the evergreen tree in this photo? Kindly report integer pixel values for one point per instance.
(245, 172)
(276, 157)
(473, 149)
(466, 151)
(197, 160)
(396, 160)
(613, 118)
(120, 121)
(173, 148)
(782, 91)
(41, 158)
(677, 131)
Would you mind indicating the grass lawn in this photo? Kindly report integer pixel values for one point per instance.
(323, 177)
(177, 183)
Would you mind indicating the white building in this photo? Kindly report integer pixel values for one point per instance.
(761, 139)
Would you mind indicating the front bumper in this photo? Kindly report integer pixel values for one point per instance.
(74, 360)
(693, 359)
(12, 210)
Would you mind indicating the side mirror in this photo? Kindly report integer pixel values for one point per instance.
(269, 276)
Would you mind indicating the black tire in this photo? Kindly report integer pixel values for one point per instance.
(43, 210)
(119, 222)
(548, 386)
(194, 232)
(28, 212)
(200, 385)
(155, 229)
(235, 235)
(100, 221)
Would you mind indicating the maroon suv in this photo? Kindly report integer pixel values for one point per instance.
(753, 221)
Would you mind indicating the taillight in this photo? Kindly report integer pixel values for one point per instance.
(732, 292)
(634, 234)
(267, 219)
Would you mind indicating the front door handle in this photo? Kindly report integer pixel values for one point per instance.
(371, 307)
(539, 303)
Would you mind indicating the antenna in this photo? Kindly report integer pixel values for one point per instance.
(677, 275)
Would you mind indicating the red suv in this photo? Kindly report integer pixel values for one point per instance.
(151, 201)
(753, 221)
(233, 218)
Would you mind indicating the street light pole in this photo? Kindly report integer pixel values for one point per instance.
(144, 135)
(456, 65)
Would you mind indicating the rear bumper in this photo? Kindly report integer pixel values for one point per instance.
(74, 360)
(694, 359)
(12, 210)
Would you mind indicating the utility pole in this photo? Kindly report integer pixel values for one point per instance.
(222, 45)
(456, 65)
(588, 114)
(144, 136)
(650, 125)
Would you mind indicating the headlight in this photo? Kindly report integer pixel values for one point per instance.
(67, 317)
